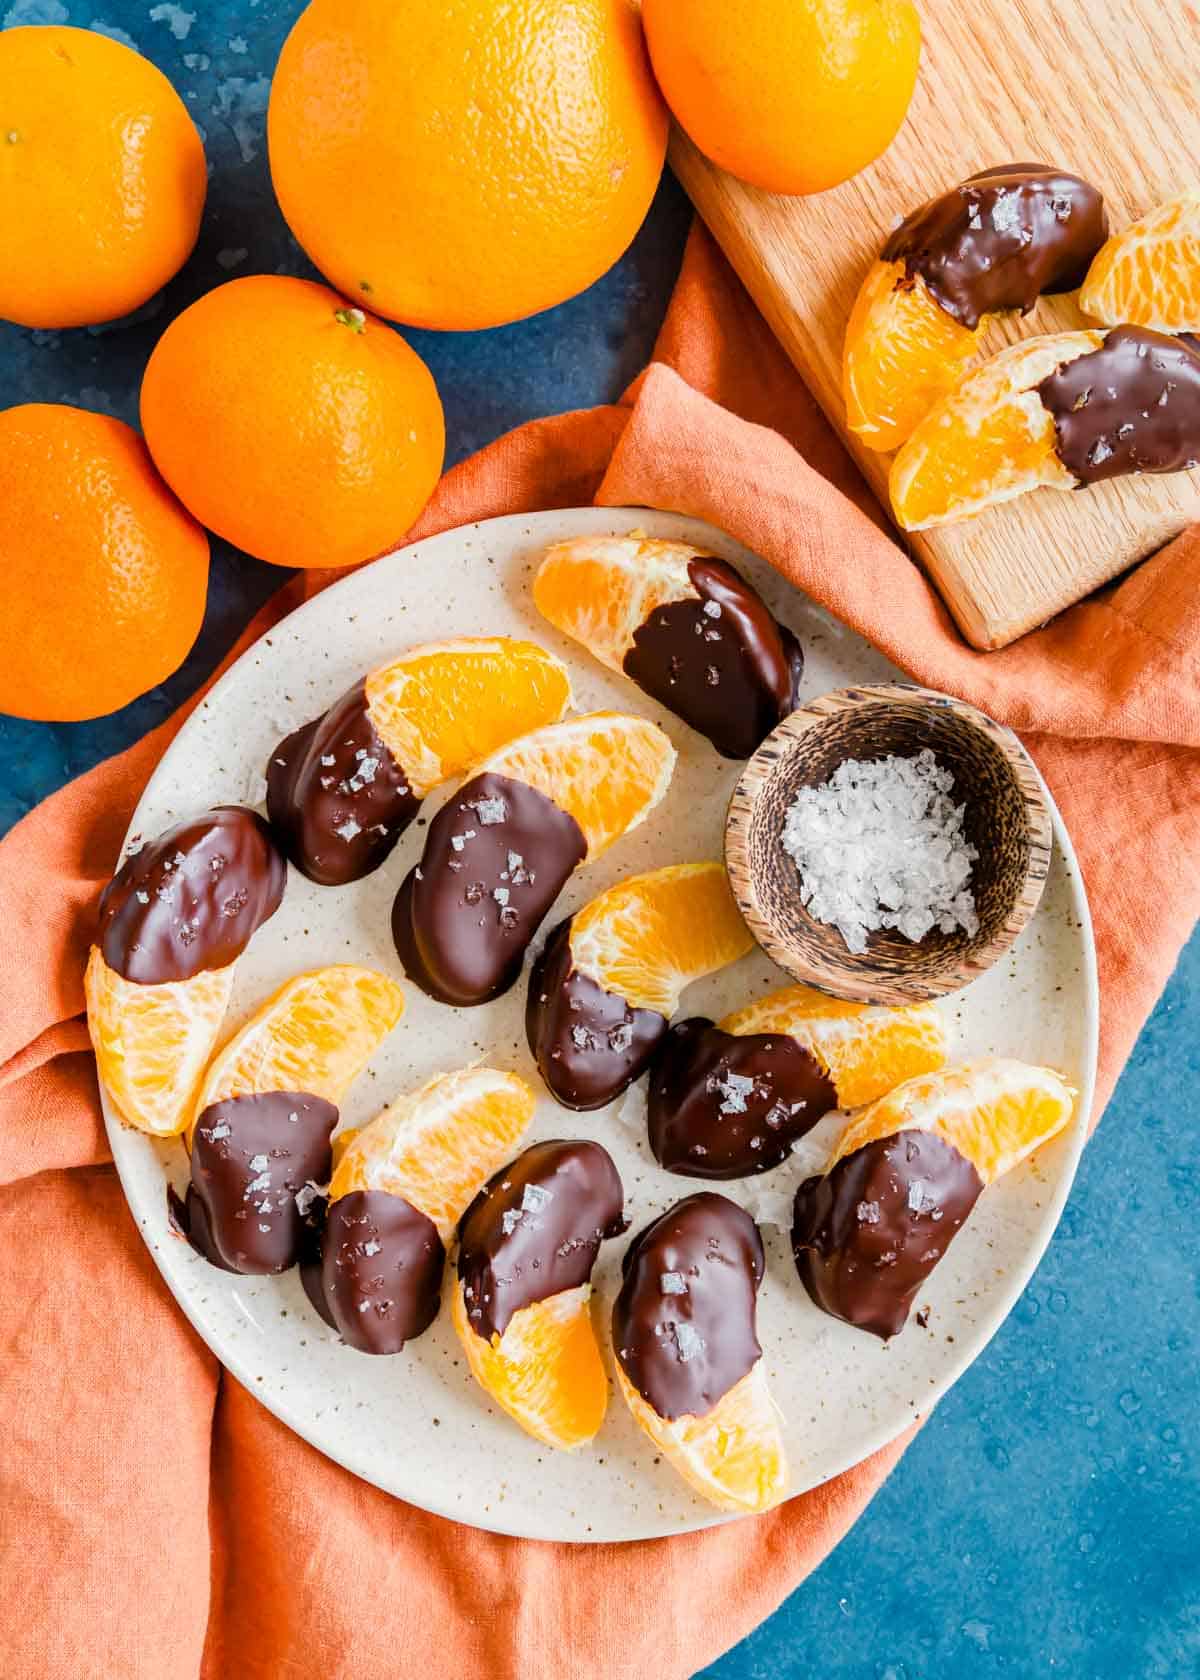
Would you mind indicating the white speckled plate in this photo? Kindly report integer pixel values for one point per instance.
(416, 1424)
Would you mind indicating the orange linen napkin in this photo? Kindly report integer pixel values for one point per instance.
(156, 1523)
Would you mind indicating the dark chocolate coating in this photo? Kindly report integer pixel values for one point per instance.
(1002, 239)
(336, 797)
(589, 1044)
(251, 1158)
(1133, 406)
(464, 916)
(192, 899)
(703, 1123)
(535, 1229)
(868, 1234)
(375, 1271)
(723, 663)
(685, 1349)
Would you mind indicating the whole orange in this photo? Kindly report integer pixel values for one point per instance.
(791, 95)
(292, 423)
(463, 163)
(102, 574)
(102, 178)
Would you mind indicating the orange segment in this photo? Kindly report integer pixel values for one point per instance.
(734, 1455)
(989, 440)
(903, 352)
(152, 1043)
(607, 769)
(436, 1146)
(442, 707)
(315, 1035)
(647, 938)
(598, 590)
(867, 1052)
(545, 1371)
(1150, 274)
(994, 1111)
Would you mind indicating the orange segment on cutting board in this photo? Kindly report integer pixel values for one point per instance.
(545, 1370)
(315, 1035)
(903, 352)
(865, 1051)
(153, 1043)
(606, 769)
(995, 1111)
(989, 440)
(436, 1146)
(1149, 274)
(598, 590)
(649, 937)
(734, 1455)
(443, 707)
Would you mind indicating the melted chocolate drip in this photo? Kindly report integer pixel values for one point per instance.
(192, 899)
(1133, 406)
(868, 1234)
(335, 795)
(722, 663)
(721, 1106)
(251, 1158)
(375, 1271)
(589, 1044)
(496, 857)
(683, 1324)
(535, 1229)
(1002, 239)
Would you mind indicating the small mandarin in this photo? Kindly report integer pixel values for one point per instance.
(102, 178)
(293, 424)
(103, 575)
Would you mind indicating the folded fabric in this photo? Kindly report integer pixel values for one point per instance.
(156, 1523)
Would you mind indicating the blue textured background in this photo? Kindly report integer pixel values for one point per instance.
(1047, 1520)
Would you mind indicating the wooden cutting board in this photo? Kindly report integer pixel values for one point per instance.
(1107, 88)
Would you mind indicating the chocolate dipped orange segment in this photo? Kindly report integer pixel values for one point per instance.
(688, 1358)
(173, 921)
(992, 245)
(905, 1176)
(526, 1248)
(685, 626)
(260, 1143)
(502, 848)
(611, 977)
(342, 789)
(731, 1099)
(1063, 411)
(1149, 274)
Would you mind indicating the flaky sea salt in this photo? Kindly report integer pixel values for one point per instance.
(881, 844)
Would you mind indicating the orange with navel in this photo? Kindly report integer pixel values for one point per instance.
(103, 576)
(793, 96)
(102, 178)
(292, 423)
(462, 165)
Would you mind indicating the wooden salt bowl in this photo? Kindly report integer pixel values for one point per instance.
(1006, 818)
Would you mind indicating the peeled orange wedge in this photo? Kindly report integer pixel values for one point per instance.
(608, 770)
(1150, 274)
(995, 1111)
(598, 590)
(733, 1456)
(315, 1035)
(867, 1052)
(443, 707)
(903, 352)
(545, 1371)
(989, 440)
(153, 1043)
(436, 1146)
(649, 937)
